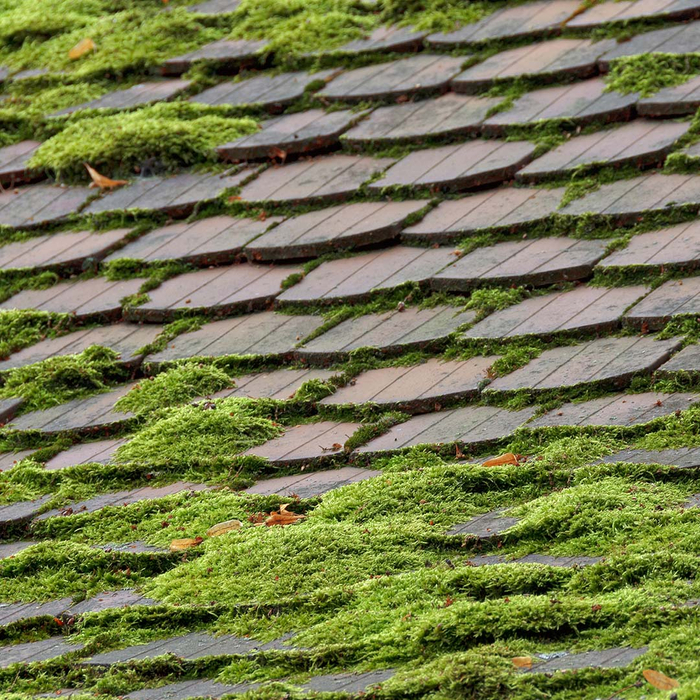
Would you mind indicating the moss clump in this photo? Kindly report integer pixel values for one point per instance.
(205, 435)
(646, 74)
(486, 301)
(121, 143)
(435, 15)
(21, 328)
(179, 384)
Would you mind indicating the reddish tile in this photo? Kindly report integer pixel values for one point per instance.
(671, 299)
(382, 40)
(8, 409)
(458, 167)
(418, 75)
(220, 290)
(631, 10)
(36, 205)
(672, 101)
(100, 452)
(687, 360)
(14, 160)
(312, 485)
(343, 227)
(281, 384)
(227, 55)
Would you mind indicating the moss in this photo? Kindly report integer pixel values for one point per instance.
(21, 328)
(122, 143)
(646, 74)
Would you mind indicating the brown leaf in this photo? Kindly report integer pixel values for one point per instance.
(104, 183)
(522, 662)
(284, 517)
(660, 680)
(223, 528)
(507, 458)
(187, 543)
(81, 48)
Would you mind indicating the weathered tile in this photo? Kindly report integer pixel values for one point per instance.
(389, 332)
(92, 299)
(280, 384)
(122, 498)
(416, 388)
(310, 442)
(19, 514)
(418, 75)
(215, 7)
(69, 251)
(126, 339)
(176, 195)
(580, 103)
(86, 453)
(273, 92)
(342, 227)
(678, 39)
(543, 559)
(136, 547)
(76, 415)
(312, 485)
(184, 690)
(8, 409)
(485, 526)
(538, 262)
(672, 101)
(212, 241)
(687, 360)
(298, 132)
(347, 682)
(264, 334)
(616, 360)
(507, 208)
(608, 658)
(227, 55)
(9, 460)
(382, 40)
(630, 10)
(328, 178)
(136, 96)
(36, 205)
(125, 598)
(640, 143)
(219, 290)
(551, 60)
(682, 457)
(31, 652)
(534, 19)
(673, 298)
(448, 115)
(14, 160)
(581, 309)
(10, 549)
(458, 167)
(472, 425)
(618, 410)
(352, 279)
(677, 246)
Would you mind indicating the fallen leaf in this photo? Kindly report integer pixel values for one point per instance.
(284, 517)
(104, 183)
(660, 680)
(81, 48)
(223, 528)
(58, 621)
(276, 152)
(522, 662)
(187, 543)
(507, 458)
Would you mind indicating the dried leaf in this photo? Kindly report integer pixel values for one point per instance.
(104, 183)
(284, 517)
(507, 458)
(187, 543)
(223, 528)
(660, 680)
(81, 48)
(522, 662)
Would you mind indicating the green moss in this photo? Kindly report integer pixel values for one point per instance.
(20, 328)
(646, 74)
(121, 143)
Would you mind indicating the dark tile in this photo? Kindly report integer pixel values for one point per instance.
(17, 514)
(583, 308)
(136, 96)
(291, 134)
(8, 409)
(32, 652)
(8, 460)
(11, 549)
(14, 160)
(507, 208)
(608, 658)
(99, 452)
(418, 75)
(221, 290)
(682, 457)
(353, 279)
(126, 598)
(265, 333)
(537, 262)
(227, 55)
(37, 205)
(313, 484)
(190, 689)
(458, 167)
(485, 526)
(343, 227)
(615, 360)
(347, 682)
